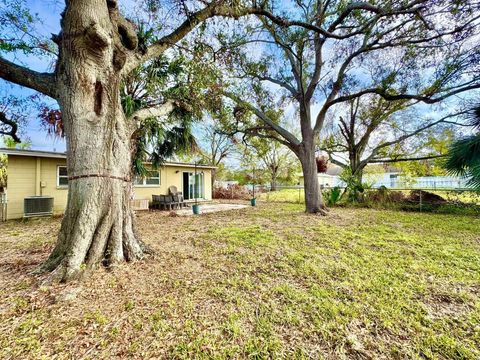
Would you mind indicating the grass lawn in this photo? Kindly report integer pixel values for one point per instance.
(265, 282)
(298, 196)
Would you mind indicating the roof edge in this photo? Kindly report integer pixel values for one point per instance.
(59, 155)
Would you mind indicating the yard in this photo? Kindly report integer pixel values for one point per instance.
(265, 282)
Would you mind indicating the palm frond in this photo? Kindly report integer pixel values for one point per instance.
(475, 121)
(157, 142)
(464, 159)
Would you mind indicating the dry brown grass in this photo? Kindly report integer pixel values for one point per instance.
(266, 282)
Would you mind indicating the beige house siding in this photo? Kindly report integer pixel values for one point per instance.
(29, 175)
(173, 175)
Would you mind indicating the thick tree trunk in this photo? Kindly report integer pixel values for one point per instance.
(273, 185)
(355, 191)
(313, 197)
(356, 166)
(358, 174)
(98, 226)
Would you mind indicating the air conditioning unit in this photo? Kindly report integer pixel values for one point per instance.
(37, 206)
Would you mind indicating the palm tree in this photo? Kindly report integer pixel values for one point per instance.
(464, 155)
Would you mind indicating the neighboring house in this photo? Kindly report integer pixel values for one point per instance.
(381, 175)
(225, 184)
(327, 179)
(44, 173)
(391, 177)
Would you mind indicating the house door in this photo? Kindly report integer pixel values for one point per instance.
(193, 187)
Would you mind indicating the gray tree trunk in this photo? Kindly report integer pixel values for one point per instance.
(313, 197)
(98, 225)
(273, 185)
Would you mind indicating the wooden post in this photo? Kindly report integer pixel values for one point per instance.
(420, 200)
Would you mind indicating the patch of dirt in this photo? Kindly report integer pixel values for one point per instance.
(197, 295)
(440, 305)
(426, 197)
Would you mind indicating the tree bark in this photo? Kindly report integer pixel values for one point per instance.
(358, 174)
(273, 185)
(314, 203)
(357, 167)
(98, 226)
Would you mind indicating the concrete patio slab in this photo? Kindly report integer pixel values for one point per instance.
(211, 208)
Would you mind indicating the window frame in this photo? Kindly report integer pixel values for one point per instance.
(63, 186)
(144, 180)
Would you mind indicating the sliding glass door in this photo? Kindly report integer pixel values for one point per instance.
(193, 185)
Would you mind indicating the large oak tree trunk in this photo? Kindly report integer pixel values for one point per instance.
(98, 225)
(273, 185)
(355, 191)
(313, 197)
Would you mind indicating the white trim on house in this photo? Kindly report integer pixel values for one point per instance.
(144, 180)
(201, 187)
(59, 155)
(33, 153)
(61, 186)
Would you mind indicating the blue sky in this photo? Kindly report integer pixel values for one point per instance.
(49, 12)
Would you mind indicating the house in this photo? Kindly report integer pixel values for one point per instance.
(327, 179)
(225, 184)
(378, 175)
(44, 173)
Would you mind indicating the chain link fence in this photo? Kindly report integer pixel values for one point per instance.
(412, 198)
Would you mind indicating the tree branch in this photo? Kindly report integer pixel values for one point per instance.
(155, 111)
(413, 7)
(215, 8)
(393, 160)
(390, 97)
(333, 160)
(280, 130)
(416, 132)
(13, 127)
(41, 82)
(278, 82)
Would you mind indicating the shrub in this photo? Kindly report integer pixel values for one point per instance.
(383, 195)
(333, 195)
(235, 192)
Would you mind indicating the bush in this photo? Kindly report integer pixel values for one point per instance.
(384, 195)
(235, 192)
(426, 197)
(332, 195)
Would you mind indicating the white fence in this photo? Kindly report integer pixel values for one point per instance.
(425, 182)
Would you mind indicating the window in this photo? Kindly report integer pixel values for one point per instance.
(62, 177)
(193, 185)
(138, 180)
(152, 179)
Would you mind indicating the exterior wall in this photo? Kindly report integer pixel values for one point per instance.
(49, 178)
(172, 175)
(28, 176)
(324, 180)
(388, 179)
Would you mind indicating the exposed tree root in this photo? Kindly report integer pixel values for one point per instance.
(97, 230)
